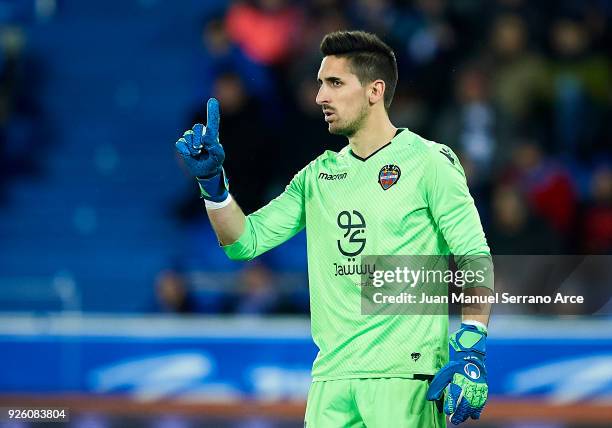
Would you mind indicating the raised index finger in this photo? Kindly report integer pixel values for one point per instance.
(212, 121)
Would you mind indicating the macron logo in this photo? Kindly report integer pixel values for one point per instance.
(324, 176)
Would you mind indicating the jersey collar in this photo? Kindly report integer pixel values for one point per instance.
(399, 130)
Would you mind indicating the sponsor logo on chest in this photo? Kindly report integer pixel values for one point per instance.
(329, 177)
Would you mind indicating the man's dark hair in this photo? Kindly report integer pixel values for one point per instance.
(369, 57)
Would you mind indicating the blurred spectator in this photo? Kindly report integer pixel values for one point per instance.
(547, 186)
(514, 230)
(597, 218)
(194, 291)
(581, 85)
(249, 147)
(20, 115)
(321, 17)
(409, 110)
(425, 41)
(220, 54)
(305, 131)
(247, 142)
(424, 29)
(376, 16)
(172, 293)
(266, 30)
(536, 16)
(518, 80)
(469, 124)
(258, 294)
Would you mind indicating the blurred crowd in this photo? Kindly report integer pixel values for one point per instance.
(520, 90)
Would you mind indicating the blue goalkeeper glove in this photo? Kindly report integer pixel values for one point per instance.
(464, 378)
(203, 155)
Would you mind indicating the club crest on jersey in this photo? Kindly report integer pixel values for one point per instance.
(388, 176)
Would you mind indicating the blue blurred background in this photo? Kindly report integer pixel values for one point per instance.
(109, 267)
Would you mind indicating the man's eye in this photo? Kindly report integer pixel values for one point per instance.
(336, 83)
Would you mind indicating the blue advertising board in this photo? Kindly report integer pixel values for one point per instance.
(228, 359)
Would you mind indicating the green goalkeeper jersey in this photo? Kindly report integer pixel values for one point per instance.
(408, 198)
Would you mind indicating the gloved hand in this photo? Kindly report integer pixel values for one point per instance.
(203, 155)
(464, 377)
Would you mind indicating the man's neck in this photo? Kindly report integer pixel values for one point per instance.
(377, 132)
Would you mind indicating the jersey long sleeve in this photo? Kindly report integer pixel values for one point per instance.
(273, 224)
(453, 210)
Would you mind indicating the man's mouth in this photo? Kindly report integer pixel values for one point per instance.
(329, 115)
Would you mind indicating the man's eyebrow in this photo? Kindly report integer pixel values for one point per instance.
(330, 79)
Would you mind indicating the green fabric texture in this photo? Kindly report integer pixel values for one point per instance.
(371, 403)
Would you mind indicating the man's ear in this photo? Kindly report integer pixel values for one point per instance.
(376, 92)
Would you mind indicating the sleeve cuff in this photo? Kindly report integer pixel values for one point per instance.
(243, 248)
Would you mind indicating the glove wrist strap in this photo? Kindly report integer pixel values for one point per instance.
(214, 188)
(480, 326)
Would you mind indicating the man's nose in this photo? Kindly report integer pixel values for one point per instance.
(322, 97)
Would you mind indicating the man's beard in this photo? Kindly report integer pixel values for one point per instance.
(353, 126)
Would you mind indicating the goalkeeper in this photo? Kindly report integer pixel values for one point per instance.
(388, 192)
